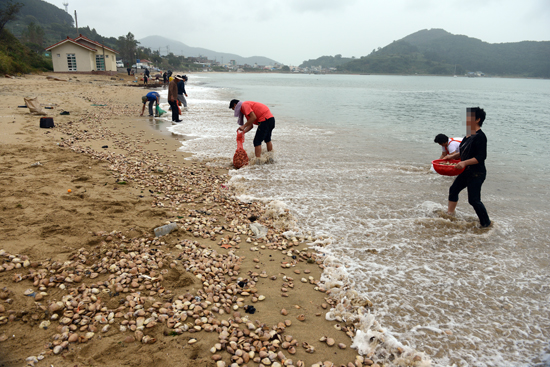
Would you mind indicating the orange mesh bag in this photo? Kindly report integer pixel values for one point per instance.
(240, 158)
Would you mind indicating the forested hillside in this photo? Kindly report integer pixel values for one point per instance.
(326, 62)
(438, 52)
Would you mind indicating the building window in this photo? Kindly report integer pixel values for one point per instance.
(106, 56)
(71, 62)
(99, 62)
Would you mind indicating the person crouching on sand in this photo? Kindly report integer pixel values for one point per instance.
(473, 152)
(152, 97)
(256, 114)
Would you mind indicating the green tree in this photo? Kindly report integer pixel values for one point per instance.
(34, 34)
(127, 47)
(9, 13)
(285, 68)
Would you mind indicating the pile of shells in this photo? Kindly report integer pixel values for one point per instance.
(133, 271)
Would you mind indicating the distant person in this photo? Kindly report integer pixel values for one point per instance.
(181, 91)
(164, 78)
(448, 145)
(173, 98)
(473, 152)
(128, 69)
(256, 114)
(153, 98)
(145, 78)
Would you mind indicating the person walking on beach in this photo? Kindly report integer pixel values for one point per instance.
(164, 78)
(256, 114)
(181, 91)
(173, 98)
(473, 152)
(448, 145)
(152, 97)
(146, 75)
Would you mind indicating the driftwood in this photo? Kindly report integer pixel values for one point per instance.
(49, 77)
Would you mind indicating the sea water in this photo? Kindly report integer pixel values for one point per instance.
(352, 159)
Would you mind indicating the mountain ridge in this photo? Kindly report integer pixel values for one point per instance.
(438, 52)
(178, 47)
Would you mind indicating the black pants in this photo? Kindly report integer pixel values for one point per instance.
(473, 182)
(175, 113)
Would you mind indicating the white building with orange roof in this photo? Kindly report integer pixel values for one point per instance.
(82, 55)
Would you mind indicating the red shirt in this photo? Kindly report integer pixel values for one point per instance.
(261, 111)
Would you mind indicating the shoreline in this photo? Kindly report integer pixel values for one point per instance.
(91, 308)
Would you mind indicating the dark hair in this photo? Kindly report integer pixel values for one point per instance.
(479, 114)
(233, 103)
(441, 139)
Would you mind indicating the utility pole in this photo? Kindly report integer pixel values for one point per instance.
(76, 22)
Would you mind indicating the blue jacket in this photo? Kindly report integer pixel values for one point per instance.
(152, 96)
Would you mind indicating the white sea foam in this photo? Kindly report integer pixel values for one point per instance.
(439, 285)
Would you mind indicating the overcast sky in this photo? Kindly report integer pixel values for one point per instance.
(291, 31)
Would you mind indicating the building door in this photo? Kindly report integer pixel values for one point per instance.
(71, 62)
(99, 63)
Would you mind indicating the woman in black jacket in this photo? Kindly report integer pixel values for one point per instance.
(473, 152)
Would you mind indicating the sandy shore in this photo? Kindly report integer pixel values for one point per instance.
(84, 282)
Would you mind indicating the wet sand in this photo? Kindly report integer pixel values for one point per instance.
(83, 280)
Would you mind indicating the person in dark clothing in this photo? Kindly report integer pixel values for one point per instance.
(173, 98)
(473, 152)
(128, 70)
(181, 91)
(164, 77)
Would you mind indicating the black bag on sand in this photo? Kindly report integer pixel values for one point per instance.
(46, 122)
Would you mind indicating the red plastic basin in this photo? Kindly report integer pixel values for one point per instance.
(445, 169)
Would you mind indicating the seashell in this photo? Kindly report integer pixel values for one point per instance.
(284, 312)
(342, 346)
(57, 349)
(330, 342)
(73, 338)
(301, 317)
(148, 340)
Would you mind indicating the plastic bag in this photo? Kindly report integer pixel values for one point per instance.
(240, 158)
(160, 111)
(258, 230)
(34, 106)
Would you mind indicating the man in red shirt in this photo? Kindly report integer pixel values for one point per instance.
(256, 114)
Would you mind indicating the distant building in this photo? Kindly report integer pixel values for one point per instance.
(82, 55)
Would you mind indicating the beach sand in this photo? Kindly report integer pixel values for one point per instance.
(91, 263)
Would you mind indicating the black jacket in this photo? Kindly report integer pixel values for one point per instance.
(474, 146)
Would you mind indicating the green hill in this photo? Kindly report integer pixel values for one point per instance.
(40, 24)
(326, 62)
(438, 52)
(15, 58)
